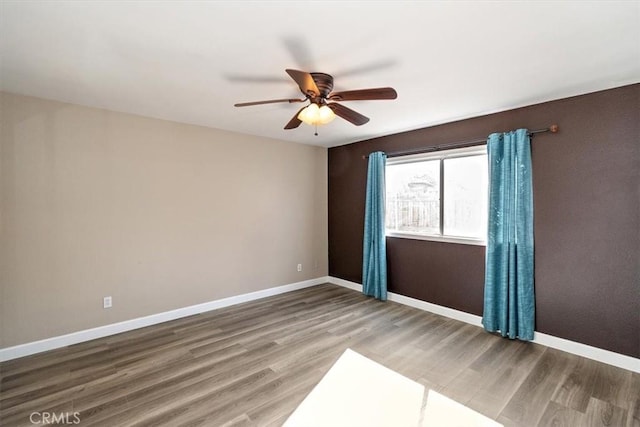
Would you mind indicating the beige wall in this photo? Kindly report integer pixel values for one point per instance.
(157, 214)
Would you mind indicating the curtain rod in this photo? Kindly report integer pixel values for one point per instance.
(553, 129)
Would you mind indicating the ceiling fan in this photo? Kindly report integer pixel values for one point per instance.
(317, 87)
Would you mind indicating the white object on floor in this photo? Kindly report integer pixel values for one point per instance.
(444, 412)
(358, 392)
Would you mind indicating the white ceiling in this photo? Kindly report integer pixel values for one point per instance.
(191, 61)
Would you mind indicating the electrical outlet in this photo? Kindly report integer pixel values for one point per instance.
(107, 302)
(299, 267)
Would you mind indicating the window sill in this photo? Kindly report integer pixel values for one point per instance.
(444, 239)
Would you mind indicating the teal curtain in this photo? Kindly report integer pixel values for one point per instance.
(509, 303)
(374, 261)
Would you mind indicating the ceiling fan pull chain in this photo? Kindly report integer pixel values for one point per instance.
(316, 133)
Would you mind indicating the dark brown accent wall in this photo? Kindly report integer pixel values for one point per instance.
(587, 219)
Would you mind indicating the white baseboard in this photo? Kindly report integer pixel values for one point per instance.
(594, 353)
(140, 322)
(598, 354)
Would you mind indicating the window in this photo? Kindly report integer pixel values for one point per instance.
(438, 196)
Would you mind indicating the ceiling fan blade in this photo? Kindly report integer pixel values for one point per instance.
(271, 101)
(305, 82)
(365, 94)
(295, 121)
(348, 114)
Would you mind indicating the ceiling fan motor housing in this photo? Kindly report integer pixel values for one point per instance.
(325, 86)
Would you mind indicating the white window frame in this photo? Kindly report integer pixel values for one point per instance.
(438, 155)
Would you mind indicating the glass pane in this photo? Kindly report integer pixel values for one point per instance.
(465, 196)
(413, 197)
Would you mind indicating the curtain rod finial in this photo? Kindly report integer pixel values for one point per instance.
(554, 128)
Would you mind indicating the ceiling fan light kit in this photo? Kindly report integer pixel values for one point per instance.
(314, 115)
(317, 87)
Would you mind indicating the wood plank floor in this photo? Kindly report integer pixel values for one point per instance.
(252, 364)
